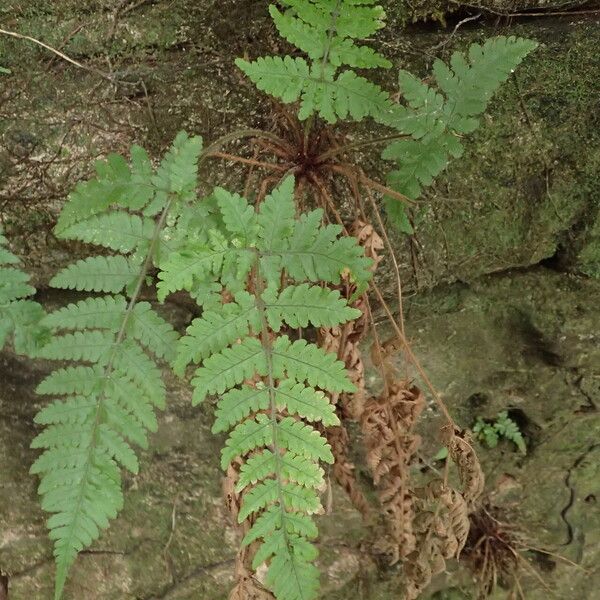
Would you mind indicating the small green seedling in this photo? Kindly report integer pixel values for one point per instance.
(503, 427)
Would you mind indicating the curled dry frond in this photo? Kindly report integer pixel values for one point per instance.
(343, 468)
(462, 454)
(344, 341)
(387, 423)
(441, 528)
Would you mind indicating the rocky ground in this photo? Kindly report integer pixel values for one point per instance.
(502, 297)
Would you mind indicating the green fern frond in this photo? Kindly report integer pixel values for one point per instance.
(112, 405)
(202, 264)
(134, 364)
(318, 88)
(91, 346)
(103, 211)
(300, 399)
(294, 560)
(273, 519)
(19, 317)
(271, 389)
(14, 285)
(112, 400)
(470, 82)
(438, 120)
(321, 255)
(79, 379)
(293, 435)
(238, 216)
(276, 217)
(238, 403)
(327, 32)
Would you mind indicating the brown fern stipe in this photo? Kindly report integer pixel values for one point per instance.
(246, 586)
(387, 424)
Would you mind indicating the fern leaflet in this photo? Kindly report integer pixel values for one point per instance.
(437, 121)
(19, 317)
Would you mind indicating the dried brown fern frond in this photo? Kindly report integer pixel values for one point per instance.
(345, 341)
(387, 424)
(462, 454)
(247, 587)
(441, 528)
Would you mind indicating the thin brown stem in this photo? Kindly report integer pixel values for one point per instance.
(392, 255)
(62, 55)
(413, 358)
(386, 191)
(356, 145)
(246, 161)
(237, 135)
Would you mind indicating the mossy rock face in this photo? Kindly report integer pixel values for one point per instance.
(410, 11)
(525, 342)
(527, 188)
(526, 192)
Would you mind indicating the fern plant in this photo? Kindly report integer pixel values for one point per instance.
(271, 389)
(429, 124)
(107, 399)
(20, 317)
(502, 427)
(261, 273)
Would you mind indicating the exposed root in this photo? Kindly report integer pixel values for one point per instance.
(492, 551)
